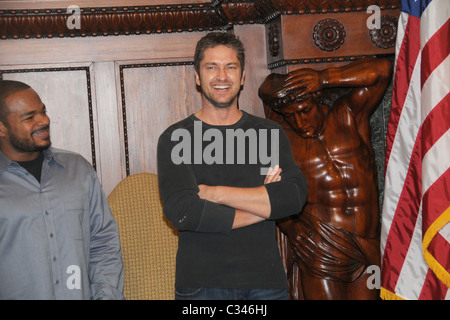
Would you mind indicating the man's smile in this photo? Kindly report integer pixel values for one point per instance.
(42, 132)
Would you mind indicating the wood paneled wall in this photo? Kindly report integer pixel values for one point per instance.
(109, 98)
(113, 85)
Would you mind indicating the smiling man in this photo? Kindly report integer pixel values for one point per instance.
(226, 210)
(58, 239)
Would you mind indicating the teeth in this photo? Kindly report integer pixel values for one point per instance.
(221, 87)
(41, 132)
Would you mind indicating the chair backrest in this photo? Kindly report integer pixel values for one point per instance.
(149, 242)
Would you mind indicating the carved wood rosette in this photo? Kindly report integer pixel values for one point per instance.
(298, 31)
(310, 32)
(328, 34)
(385, 36)
(330, 6)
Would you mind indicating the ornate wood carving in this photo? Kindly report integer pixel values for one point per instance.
(386, 35)
(329, 34)
(319, 60)
(108, 21)
(274, 40)
(127, 20)
(330, 6)
(331, 39)
(321, 134)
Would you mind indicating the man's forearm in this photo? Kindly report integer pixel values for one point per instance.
(243, 219)
(362, 73)
(254, 201)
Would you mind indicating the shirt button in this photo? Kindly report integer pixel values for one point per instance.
(51, 235)
(54, 258)
(57, 281)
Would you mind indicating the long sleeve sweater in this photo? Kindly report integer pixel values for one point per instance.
(210, 252)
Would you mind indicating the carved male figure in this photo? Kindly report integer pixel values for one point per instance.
(336, 236)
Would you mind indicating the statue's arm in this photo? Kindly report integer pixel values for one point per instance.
(369, 78)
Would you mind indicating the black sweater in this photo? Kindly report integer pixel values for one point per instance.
(210, 253)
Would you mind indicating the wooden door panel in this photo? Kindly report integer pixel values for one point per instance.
(154, 96)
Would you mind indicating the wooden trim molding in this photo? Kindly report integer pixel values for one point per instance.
(331, 6)
(323, 60)
(129, 20)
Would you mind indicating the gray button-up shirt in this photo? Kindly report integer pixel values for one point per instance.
(58, 238)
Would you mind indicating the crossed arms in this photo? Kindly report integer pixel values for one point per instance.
(252, 204)
(193, 206)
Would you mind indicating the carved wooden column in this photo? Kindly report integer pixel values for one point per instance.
(320, 34)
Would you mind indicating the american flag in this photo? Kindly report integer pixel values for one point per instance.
(415, 235)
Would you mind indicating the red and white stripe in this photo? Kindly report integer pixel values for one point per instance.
(415, 237)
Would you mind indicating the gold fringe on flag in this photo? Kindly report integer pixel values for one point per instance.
(440, 272)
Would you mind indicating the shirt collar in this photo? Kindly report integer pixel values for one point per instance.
(4, 162)
(49, 156)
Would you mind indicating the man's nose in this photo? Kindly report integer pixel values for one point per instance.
(221, 73)
(299, 119)
(43, 119)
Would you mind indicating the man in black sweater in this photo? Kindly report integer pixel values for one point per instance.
(225, 176)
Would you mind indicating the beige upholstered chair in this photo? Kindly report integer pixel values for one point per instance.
(149, 242)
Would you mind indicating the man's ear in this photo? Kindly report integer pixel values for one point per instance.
(3, 129)
(243, 78)
(197, 78)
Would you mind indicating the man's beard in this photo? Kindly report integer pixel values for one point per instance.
(25, 145)
(220, 105)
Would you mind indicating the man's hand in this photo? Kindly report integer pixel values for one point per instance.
(214, 193)
(273, 175)
(302, 82)
(209, 193)
(252, 204)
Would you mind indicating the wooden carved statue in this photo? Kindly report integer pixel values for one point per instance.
(332, 242)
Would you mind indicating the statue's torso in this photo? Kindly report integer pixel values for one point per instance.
(339, 167)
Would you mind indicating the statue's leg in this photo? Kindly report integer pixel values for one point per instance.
(322, 289)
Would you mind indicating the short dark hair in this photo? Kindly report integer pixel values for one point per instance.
(7, 88)
(214, 39)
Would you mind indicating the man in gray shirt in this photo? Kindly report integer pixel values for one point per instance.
(58, 238)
